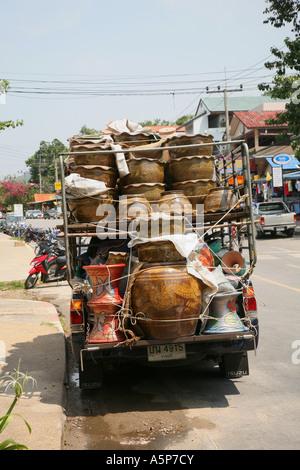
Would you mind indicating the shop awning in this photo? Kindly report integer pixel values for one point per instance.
(294, 164)
(292, 176)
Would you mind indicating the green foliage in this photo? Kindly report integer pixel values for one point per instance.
(285, 86)
(17, 382)
(163, 122)
(88, 131)
(43, 161)
(4, 87)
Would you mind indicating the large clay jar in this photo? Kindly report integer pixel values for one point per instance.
(106, 323)
(195, 190)
(97, 172)
(185, 139)
(143, 170)
(166, 300)
(175, 202)
(105, 282)
(224, 316)
(88, 209)
(133, 206)
(159, 251)
(219, 199)
(194, 167)
(84, 157)
(151, 191)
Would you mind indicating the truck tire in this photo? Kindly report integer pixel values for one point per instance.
(290, 232)
(31, 280)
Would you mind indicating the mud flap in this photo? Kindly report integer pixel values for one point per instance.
(90, 374)
(234, 365)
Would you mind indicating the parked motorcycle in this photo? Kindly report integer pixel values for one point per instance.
(49, 263)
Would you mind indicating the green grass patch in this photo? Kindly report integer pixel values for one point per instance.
(11, 285)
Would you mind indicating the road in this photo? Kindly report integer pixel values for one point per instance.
(194, 408)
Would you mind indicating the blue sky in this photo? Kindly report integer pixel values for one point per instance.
(121, 45)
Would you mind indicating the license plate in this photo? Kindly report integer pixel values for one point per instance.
(166, 352)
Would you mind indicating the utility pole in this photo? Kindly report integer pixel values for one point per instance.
(40, 174)
(55, 169)
(225, 92)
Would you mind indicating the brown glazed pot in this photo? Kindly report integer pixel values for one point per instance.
(175, 202)
(143, 170)
(151, 191)
(219, 199)
(133, 206)
(85, 209)
(166, 292)
(195, 190)
(192, 168)
(188, 140)
(160, 251)
(96, 172)
(163, 225)
(86, 158)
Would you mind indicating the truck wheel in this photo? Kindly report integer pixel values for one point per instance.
(31, 280)
(290, 232)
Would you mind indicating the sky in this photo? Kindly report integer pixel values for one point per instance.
(72, 63)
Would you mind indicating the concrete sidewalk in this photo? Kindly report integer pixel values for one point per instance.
(30, 330)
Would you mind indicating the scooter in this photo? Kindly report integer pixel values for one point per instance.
(50, 262)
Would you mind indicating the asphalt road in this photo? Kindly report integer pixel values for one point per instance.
(194, 408)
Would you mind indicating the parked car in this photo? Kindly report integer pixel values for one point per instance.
(37, 214)
(51, 214)
(28, 214)
(274, 217)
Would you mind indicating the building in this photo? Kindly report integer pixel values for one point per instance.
(210, 113)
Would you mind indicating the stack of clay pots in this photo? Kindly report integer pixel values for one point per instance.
(100, 167)
(191, 170)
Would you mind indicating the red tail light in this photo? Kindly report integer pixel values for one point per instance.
(76, 313)
(295, 218)
(262, 221)
(250, 301)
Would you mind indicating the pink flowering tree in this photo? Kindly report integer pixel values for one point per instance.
(17, 192)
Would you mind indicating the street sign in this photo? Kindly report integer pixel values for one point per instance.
(57, 186)
(277, 177)
(18, 210)
(282, 159)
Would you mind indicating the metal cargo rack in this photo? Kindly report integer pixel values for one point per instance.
(219, 224)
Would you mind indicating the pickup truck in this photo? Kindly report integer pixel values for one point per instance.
(274, 217)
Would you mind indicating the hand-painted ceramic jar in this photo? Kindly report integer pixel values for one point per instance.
(225, 318)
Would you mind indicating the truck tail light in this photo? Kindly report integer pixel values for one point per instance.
(262, 221)
(76, 312)
(295, 218)
(250, 302)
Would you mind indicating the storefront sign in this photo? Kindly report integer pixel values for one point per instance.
(277, 177)
(282, 159)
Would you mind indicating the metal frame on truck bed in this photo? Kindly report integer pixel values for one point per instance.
(235, 228)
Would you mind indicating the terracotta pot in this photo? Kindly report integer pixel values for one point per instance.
(188, 140)
(105, 282)
(233, 262)
(86, 158)
(175, 202)
(133, 206)
(85, 209)
(153, 252)
(195, 190)
(152, 151)
(133, 140)
(226, 319)
(105, 327)
(192, 168)
(143, 170)
(166, 301)
(219, 199)
(151, 191)
(205, 256)
(96, 172)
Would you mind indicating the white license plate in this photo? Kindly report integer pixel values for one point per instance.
(166, 352)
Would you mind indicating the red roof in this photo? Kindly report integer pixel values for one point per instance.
(253, 119)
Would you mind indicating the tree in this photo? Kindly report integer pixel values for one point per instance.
(88, 131)
(285, 86)
(16, 192)
(163, 122)
(4, 87)
(43, 165)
